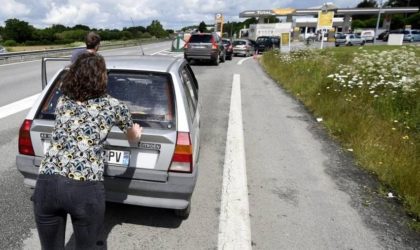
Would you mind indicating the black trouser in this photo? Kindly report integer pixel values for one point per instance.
(54, 197)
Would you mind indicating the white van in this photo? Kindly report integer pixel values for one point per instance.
(368, 35)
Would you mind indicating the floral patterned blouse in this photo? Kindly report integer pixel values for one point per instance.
(77, 142)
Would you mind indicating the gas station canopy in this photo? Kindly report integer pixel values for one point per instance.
(315, 11)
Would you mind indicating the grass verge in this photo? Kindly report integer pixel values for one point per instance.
(369, 100)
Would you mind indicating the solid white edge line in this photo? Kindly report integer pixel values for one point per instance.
(243, 60)
(234, 221)
(17, 106)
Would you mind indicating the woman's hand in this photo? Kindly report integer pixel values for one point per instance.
(134, 133)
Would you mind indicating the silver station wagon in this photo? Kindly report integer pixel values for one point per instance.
(162, 95)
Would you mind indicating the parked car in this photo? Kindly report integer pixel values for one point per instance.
(160, 170)
(368, 35)
(267, 42)
(2, 50)
(228, 48)
(383, 36)
(349, 40)
(205, 46)
(411, 35)
(243, 47)
(386, 35)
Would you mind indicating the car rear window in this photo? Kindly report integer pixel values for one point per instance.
(239, 43)
(149, 97)
(262, 39)
(203, 38)
(226, 42)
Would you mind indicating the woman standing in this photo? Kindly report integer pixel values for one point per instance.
(70, 177)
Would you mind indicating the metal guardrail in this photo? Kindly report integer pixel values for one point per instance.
(13, 57)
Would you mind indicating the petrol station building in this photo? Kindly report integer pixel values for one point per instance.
(305, 21)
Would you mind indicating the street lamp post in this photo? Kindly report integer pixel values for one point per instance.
(377, 22)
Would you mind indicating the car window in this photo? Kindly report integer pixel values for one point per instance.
(406, 32)
(200, 38)
(239, 42)
(149, 97)
(226, 42)
(190, 85)
(262, 39)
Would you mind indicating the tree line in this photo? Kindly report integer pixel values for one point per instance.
(398, 21)
(17, 32)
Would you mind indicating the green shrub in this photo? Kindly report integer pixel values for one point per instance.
(369, 98)
(10, 43)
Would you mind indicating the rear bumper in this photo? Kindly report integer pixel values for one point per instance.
(175, 193)
(201, 55)
(241, 51)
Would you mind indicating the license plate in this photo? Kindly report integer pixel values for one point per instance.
(118, 157)
(46, 144)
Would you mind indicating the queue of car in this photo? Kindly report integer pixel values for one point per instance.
(211, 48)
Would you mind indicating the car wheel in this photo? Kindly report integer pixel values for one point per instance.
(363, 43)
(223, 59)
(337, 45)
(216, 61)
(183, 213)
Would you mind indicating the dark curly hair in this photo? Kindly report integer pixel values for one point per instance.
(86, 79)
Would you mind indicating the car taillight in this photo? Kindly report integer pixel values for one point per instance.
(182, 159)
(213, 43)
(25, 142)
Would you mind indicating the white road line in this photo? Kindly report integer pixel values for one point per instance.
(234, 221)
(243, 60)
(159, 52)
(17, 106)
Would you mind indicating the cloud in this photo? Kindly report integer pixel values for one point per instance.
(12, 8)
(118, 14)
(72, 14)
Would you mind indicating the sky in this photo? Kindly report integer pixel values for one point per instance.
(116, 14)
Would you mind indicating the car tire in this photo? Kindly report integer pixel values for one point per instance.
(363, 43)
(223, 58)
(216, 60)
(183, 213)
(337, 45)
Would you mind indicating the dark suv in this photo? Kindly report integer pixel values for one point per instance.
(205, 46)
(267, 42)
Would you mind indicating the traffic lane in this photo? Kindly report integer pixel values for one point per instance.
(21, 80)
(15, 206)
(132, 227)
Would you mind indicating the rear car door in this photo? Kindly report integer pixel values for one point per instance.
(151, 101)
(200, 44)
